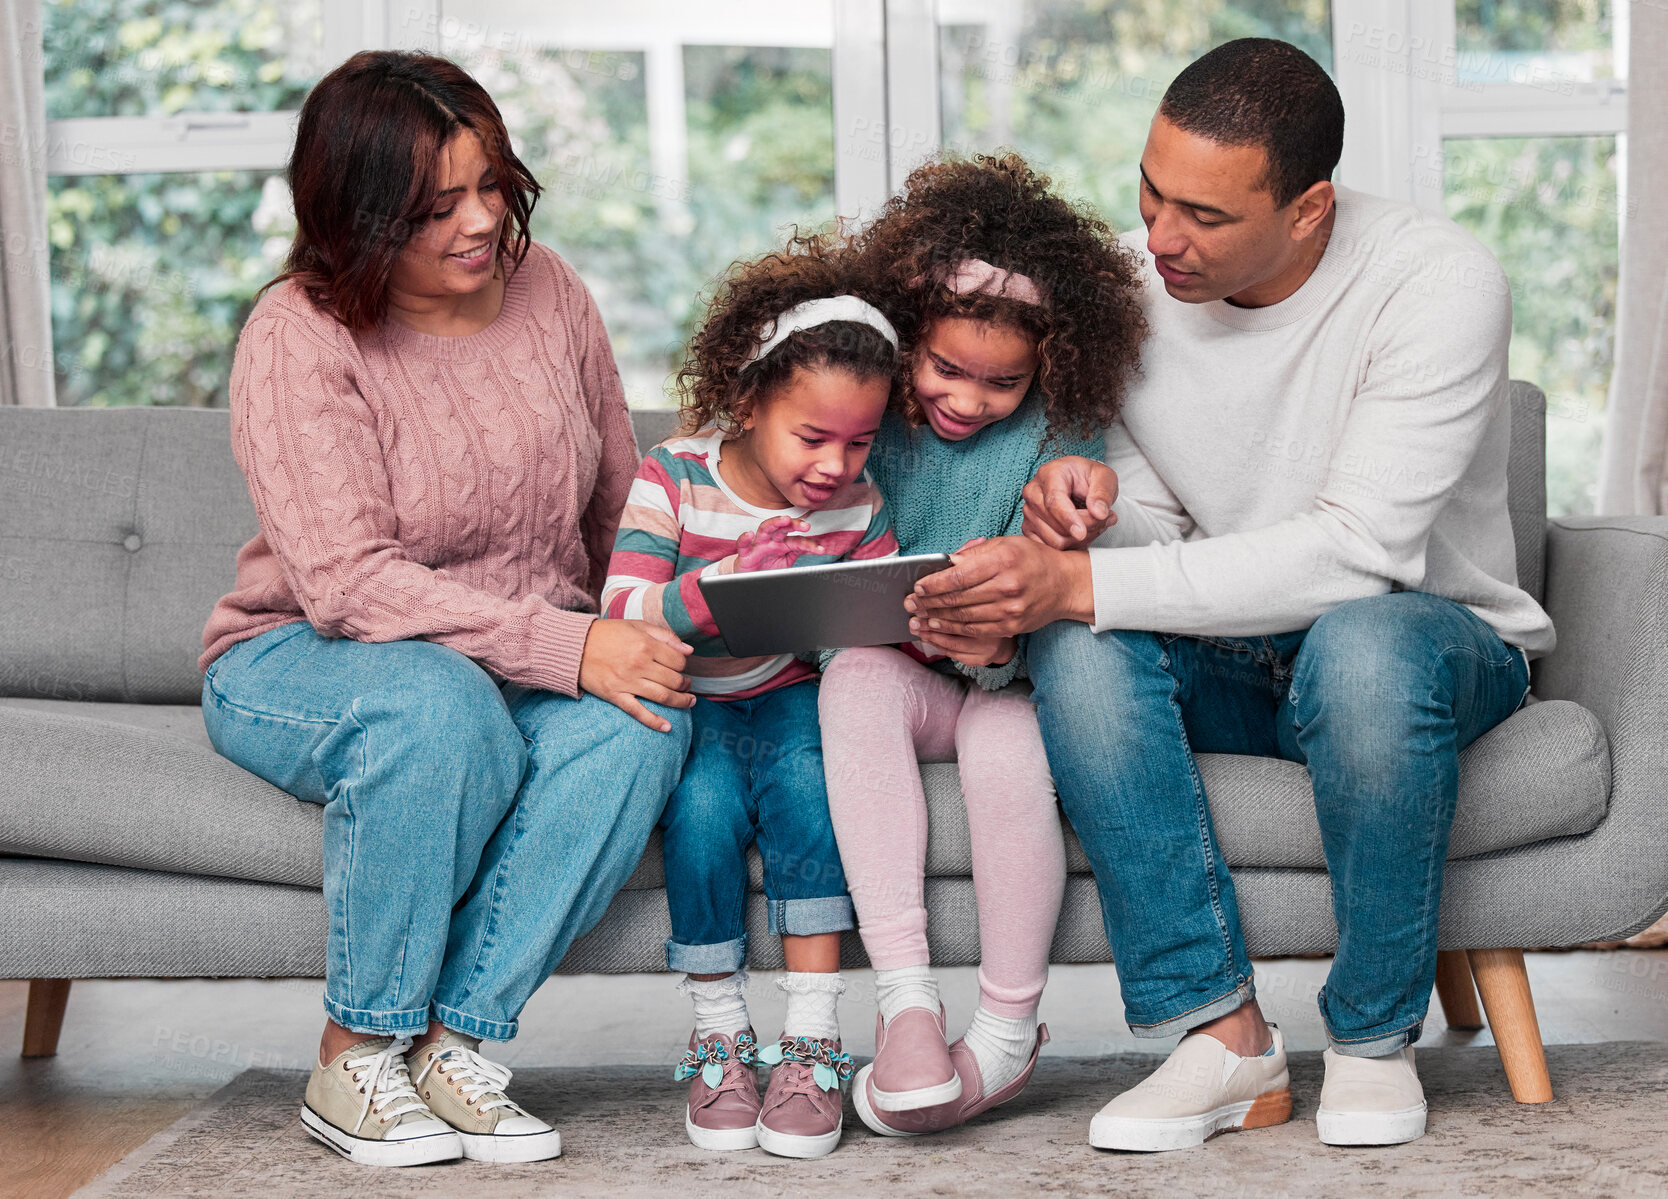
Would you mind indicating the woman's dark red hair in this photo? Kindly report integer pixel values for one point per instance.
(366, 170)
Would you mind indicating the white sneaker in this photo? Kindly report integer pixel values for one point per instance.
(1371, 1100)
(1201, 1089)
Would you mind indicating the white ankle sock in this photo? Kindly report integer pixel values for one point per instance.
(907, 986)
(813, 1005)
(1001, 1046)
(720, 1004)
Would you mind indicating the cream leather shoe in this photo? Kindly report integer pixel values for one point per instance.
(1201, 1090)
(1371, 1100)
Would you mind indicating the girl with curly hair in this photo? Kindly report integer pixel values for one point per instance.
(784, 388)
(1021, 326)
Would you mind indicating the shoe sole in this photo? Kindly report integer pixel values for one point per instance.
(720, 1140)
(413, 1151)
(1370, 1128)
(1184, 1132)
(784, 1144)
(511, 1147)
(909, 1101)
(866, 1113)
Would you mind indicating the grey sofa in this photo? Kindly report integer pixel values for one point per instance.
(129, 848)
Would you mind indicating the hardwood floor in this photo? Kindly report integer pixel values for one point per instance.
(136, 1055)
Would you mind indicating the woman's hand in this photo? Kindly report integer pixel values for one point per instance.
(627, 661)
(1069, 503)
(773, 544)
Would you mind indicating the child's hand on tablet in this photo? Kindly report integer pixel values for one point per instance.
(774, 544)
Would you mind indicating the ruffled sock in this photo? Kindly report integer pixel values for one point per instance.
(813, 1005)
(720, 1004)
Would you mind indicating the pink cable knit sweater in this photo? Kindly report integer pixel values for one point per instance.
(464, 490)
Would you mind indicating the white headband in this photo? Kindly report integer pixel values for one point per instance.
(812, 313)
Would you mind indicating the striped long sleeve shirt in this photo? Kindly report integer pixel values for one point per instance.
(682, 521)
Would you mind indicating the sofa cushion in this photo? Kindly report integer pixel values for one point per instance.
(1545, 772)
(118, 532)
(139, 785)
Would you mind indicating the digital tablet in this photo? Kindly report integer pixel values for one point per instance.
(833, 605)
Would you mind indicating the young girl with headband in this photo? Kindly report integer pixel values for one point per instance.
(1020, 320)
(784, 388)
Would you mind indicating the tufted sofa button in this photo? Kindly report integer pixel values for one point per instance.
(131, 543)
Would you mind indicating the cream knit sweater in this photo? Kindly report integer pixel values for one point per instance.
(1347, 441)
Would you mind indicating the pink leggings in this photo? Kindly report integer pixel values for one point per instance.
(882, 712)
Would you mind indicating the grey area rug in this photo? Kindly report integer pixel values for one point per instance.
(1606, 1134)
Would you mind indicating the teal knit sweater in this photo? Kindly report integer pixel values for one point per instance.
(942, 494)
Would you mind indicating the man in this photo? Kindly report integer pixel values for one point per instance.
(1309, 557)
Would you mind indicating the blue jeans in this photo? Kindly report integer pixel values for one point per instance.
(754, 772)
(471, 830)
(1377, 699)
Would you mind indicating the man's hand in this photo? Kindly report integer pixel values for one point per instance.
(1002, 588)
(1069, 503)
(626, 661)
(773, 545)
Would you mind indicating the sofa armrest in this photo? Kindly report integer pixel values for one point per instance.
(1607, 594)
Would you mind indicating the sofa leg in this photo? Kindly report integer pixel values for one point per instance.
(1454, 989)
(1504, 985)
(43, 1019)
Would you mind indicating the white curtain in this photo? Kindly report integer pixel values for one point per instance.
(25, 294)
(1631, 477)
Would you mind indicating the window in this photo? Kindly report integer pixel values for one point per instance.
(153, 273)
(1533, 122)
(1547, 207)
(1073, 85)
(673, 136)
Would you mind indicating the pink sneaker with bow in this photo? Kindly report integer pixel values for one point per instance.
(723, 1109)
(803, 1108)
(972, 1102)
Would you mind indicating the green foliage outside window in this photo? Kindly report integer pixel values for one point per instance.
(1075, 90)
(153, 275)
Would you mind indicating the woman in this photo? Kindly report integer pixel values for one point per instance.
(432, 426)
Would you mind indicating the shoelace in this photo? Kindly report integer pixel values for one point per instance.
(720, 1069)
(478, 1075)
(383, 1079)
(811, 1064)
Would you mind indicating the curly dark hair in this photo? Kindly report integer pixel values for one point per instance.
(996, 208)
(719, 384)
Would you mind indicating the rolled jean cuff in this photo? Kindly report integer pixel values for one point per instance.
(1202, 1013)
(807, 917)
(475, 1026)
(401, 1023)
(1376, 1044)
(722, 958)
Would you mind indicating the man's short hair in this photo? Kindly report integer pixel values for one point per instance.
(1257, 91)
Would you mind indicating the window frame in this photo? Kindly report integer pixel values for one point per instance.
(886, 101)
(1392, 62)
